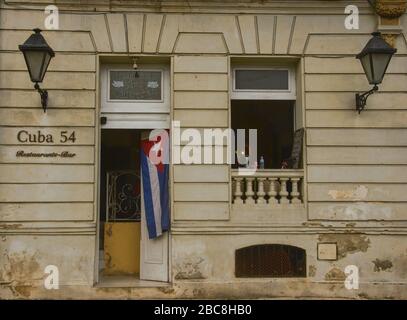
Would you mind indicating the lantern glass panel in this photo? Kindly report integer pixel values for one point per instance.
(37, 64)
(380, 63)
(367, 67)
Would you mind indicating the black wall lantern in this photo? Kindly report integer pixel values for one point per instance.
(375, 58)
(37, 55)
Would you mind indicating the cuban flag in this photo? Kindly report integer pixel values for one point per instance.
(155, 173)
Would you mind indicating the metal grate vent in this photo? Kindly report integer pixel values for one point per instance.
(270, 260)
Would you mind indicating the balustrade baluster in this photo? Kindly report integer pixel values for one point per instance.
(272, 193)
(283, 191)
(260, 191)
(249, 191)
(238, 191)
(295, 194)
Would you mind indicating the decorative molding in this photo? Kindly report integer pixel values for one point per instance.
(200, 42)
(389, 12)
(390, 39)
(309, 228)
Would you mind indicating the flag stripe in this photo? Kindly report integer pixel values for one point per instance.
(155, 193)
(165, 210)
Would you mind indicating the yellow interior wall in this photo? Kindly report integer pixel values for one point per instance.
(122, 248)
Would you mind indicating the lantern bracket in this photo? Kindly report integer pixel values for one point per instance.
(44, 96)
(362, 97)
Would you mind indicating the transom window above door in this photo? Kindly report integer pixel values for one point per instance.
(142, 90)
(135, 85)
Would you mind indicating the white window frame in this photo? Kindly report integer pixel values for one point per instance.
(135, 106)
(264, 94)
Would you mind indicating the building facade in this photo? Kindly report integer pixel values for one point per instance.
(339, 215)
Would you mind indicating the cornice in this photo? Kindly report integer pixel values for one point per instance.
(198, 6)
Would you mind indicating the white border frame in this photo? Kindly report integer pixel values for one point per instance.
(264, 94)
(135, 106)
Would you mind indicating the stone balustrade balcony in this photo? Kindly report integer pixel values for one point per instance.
(267, 187)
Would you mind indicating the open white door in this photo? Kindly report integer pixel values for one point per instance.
(154, 252)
